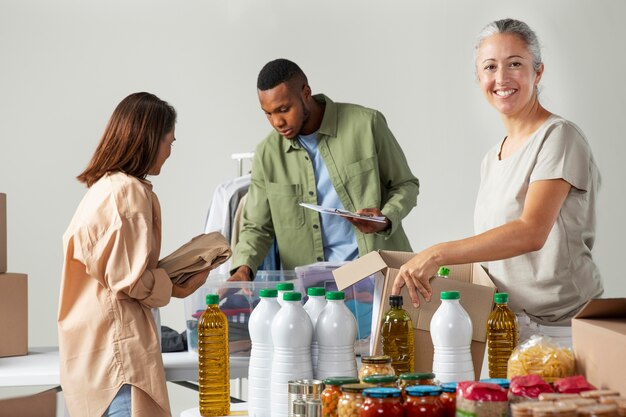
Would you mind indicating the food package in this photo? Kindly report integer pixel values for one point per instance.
(573, 385)
(481, 399)
(527, 387)
(539, 355)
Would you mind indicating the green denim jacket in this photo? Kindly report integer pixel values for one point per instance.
(367, 168)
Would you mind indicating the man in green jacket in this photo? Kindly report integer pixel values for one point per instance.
(335, 155)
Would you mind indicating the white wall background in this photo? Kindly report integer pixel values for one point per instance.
(65, 64)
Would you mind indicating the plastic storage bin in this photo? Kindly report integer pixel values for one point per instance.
(237, 304)
(359, 297)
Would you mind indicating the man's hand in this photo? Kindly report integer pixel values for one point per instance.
(190, 285)
(366, 226)
(243, 273)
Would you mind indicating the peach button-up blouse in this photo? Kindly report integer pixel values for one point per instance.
(107, 334)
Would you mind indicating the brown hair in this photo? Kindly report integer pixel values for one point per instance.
(131, 139)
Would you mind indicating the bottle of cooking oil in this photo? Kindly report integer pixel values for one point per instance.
(502, 336)
(213, 360)
(397, 337)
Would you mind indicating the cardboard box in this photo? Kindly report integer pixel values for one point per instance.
(3, 233)
(599, 338)
(43, 404)
(13, 314)
(471, 280)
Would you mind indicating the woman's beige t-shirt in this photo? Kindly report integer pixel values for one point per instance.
(107, 335)
(553, 283)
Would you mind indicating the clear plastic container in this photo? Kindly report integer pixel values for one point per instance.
(502, 336)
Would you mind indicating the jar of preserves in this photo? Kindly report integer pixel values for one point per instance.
(386, 381)
(332, 392)
(448, 398)
(375, 365)
(415, 378)
(381, 402)
(423, 401)
(351, 399)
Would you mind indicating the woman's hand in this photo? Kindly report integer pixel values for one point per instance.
(416, 275)
(190, 285)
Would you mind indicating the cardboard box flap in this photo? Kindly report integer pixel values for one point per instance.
(603, 308)
(358, 269)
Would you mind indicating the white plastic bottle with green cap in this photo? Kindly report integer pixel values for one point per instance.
(260, 366)
(283, 287)
(292, 333)
(451, 333)
(314, 306)
(336, 333)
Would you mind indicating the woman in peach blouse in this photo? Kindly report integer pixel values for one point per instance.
(110, 354)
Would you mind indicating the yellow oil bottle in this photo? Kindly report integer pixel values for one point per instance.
(502, 336)
(213, 361)
(397, 337)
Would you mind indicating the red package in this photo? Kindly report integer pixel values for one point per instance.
(529, 386)
(481, 391)
(573, 385)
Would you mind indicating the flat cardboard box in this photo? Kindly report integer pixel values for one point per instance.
(3, 233)
(599, 338)
(43, 404)
(13, 314)
(471, 280)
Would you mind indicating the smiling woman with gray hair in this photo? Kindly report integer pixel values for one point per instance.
(535, 210)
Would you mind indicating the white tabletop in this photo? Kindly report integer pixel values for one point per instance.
(41, 367)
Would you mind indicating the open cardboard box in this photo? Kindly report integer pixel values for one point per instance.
(3, 233)
(13, 314)
(599, 338)
(470, 280)
(43, 404)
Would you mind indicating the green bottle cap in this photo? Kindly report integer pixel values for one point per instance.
(268, 293)
(212, 299)
(292, 296)
(335, 295)
(450, 295)
(443, 272)
(501, 298)
(284, 286)
(316, 291)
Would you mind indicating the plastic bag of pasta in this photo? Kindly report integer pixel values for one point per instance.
(539, 355)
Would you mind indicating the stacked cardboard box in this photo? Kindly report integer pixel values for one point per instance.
(13, 298)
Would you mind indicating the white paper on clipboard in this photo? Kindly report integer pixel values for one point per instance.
(343, 213)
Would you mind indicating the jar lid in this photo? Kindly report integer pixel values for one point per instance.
(354, 387)
(284, 286)
(292, 296)
(503, 382)
(316, 291)
(381, 392)
(423, 390)
(338, 381)
(450, 295)
(212, 299)
(268, 293)
(376, 359)
(449, 386)
(417, 376)
(335, 295)
(380, 379)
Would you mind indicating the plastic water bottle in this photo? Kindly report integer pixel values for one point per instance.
(282, 288)
(292, 333)
(213, 360)
(336, 333)
(502, 336)
(314, 306)
(260, 367)
(451, 332)
(397, 337)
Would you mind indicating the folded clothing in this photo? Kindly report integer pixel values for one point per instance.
(208, 250)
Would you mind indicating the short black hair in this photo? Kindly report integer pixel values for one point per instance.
(277, 72)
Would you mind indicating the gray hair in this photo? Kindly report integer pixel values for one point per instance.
(517, 28)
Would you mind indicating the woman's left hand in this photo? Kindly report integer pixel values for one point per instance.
(190, 285)
(367, 226)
